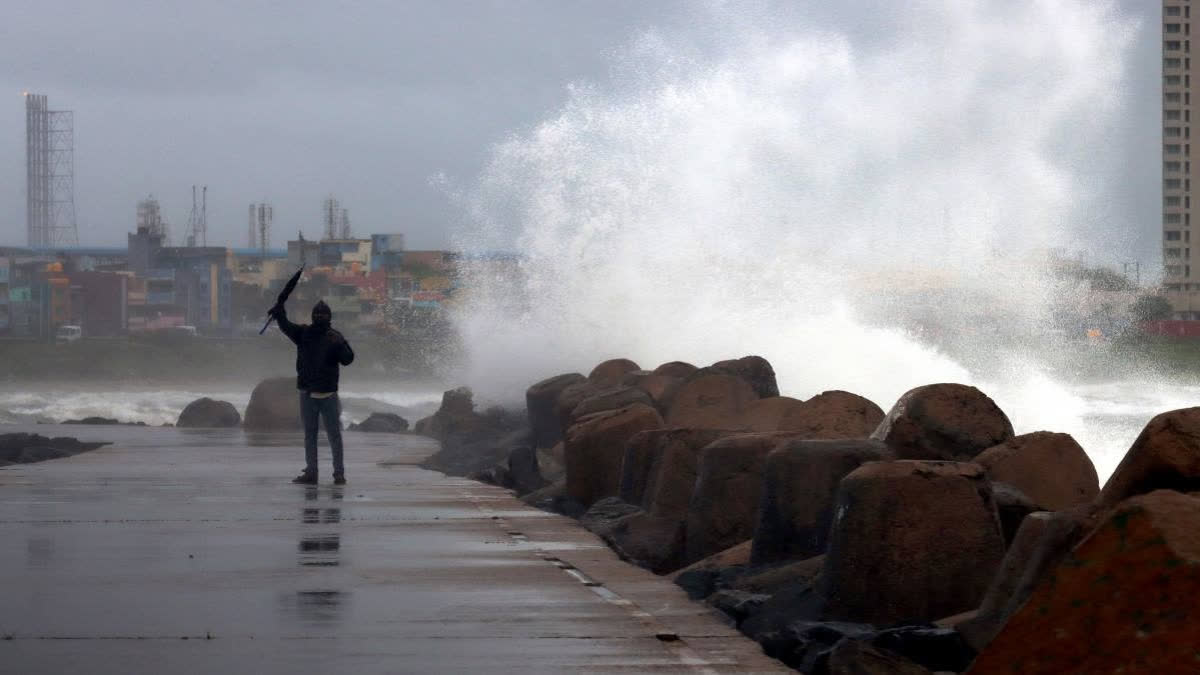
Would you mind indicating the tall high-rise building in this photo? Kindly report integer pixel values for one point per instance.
(1182, 288)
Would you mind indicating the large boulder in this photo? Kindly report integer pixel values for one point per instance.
(754, 369)
(1049, 467)
(948, 421)
(594, 449)
(647, 540)
(206, 413)
(382, 423)
(799, 491)
(768, 414)
(1042, 542)
(834, 415)
(274, 406)
(912, 541)
(1123, 601)
(680, 369)
(456, 415)
(610, 372)
(540, 400)
(657, 387)
(659, 469)
(569, 399)
(710, 401)
(724, 505)
(1166, 455)
(703, 577)
(612, 398)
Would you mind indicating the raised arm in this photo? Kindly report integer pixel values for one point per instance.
(289, 329)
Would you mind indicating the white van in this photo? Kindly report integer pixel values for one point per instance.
(66, 334)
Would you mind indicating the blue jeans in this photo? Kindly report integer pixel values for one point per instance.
(312, 411)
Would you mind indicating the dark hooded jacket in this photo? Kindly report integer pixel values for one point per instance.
(319, 350)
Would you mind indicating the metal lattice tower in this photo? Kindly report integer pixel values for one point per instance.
(49, 174)
(197, 229)
(344, 223)
(149, 216)
(261, 216)
(332, 213)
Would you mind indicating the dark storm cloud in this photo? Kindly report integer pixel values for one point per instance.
(291, 101)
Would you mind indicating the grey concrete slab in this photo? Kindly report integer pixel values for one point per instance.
(189, 551)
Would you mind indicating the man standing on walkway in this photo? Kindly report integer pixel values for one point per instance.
(319, 351)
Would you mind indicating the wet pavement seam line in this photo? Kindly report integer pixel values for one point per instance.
(669, 639)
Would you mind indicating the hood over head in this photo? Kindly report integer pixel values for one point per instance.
(321, 314)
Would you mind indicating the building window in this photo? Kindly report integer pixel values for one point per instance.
(1172, 183)
(1171, 219)
(1172, 45)
(1171, 132)
(1172, 115)
(1171, 235)
(1172, 167)
(1172, 97)
(1172, 80)
(1170, 11)
(1172, 253)
(1172, 201)
(1174, 270)
(1172, 148)
(1171, 28)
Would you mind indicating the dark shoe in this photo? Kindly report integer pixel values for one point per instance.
(339, 479)
(306, 479)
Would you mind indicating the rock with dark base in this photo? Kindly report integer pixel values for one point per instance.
(800, 483)
(948, 421)
(710, 401)
(1123, 601)
(274, 406)
(724, 505)
(1050, 468)
(609, 373)
(206, 413)
(834, 415)
(540, 400)
(382, 423)
(594, 450)
(754, 369)
(912, 542)
(1165, 456)
(612, 398)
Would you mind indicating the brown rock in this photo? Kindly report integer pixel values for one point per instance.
(1166, 455)
(595, 447)
(771, 579)
(754, 369)
(1042, 541)
(833, 415)
(724, 505)
(274, 406)
(1012, 506)
(540, 400)
(659, 470)
(855, 657)
(912, 541)
(710, 401)
(658, 387)
(680, 369)
(768, 414)
(569, 399)
(649, 541)
(943, 421)
(737, 555)
(1123, 601)
(609, 373)
(612, 398)
(799, 491)
(1050, 468)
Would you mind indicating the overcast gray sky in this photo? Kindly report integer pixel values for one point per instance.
(289, 102)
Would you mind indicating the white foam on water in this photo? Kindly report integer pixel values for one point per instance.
(837, 204)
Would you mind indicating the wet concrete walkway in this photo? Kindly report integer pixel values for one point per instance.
(177, 551)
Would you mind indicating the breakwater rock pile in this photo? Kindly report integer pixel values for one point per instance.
(931, 538)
